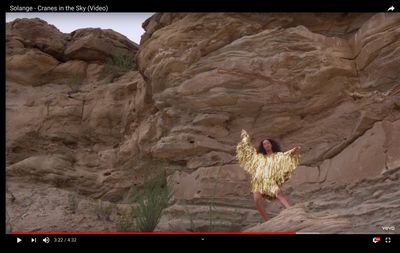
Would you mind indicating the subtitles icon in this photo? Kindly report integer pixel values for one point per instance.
(376, 239)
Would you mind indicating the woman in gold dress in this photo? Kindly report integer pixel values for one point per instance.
(268, 168)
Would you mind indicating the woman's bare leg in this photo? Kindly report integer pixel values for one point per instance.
(279, 195)
(259, 205)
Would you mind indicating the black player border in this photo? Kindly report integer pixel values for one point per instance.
(190, 241)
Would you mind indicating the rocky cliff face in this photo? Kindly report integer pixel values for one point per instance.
(329, 83)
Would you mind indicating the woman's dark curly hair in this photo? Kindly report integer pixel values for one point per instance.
(274, 144)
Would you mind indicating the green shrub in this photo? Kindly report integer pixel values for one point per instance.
(212, 201)
(151, 204)
(119, 64)
(123, 62)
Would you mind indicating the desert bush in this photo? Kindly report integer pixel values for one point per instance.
(151, 204)
(212, 201)
(119, 64)
(124, 62)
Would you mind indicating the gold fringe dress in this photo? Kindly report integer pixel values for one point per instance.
(267, 172)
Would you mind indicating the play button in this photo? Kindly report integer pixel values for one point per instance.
(18, 240)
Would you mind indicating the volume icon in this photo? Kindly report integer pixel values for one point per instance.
(46, 240)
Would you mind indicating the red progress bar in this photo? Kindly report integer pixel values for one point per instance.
(153, 233)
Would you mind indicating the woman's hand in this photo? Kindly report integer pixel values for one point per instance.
(295, 150)
(243, 133)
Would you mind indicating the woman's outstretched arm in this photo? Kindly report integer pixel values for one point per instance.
(246, 153)
(294, 151)
(284, 163)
